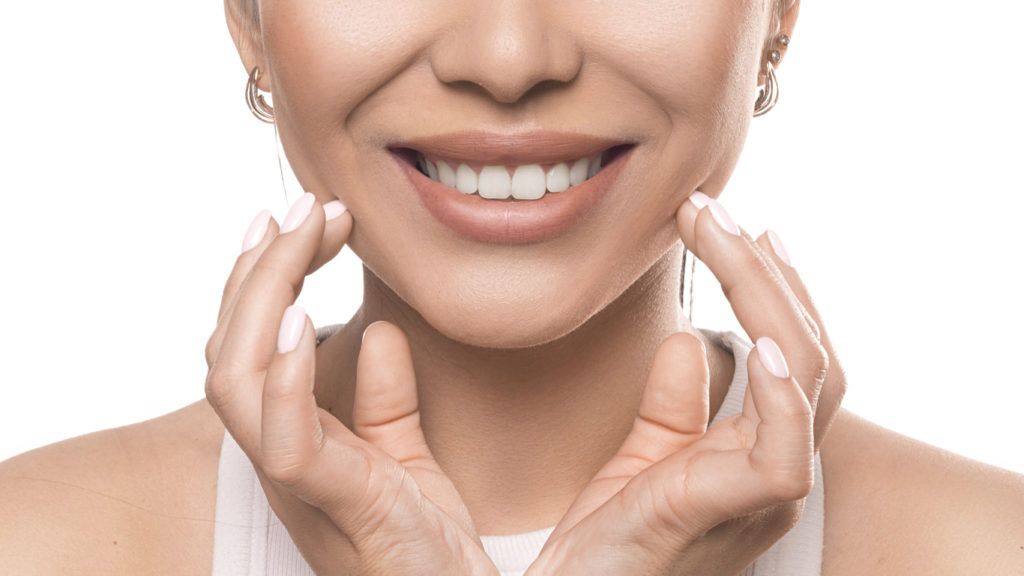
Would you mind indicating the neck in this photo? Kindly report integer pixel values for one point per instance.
(520, 432)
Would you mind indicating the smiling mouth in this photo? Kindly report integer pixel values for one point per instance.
(511, 189)
(527, 181)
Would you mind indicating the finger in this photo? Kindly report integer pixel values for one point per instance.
(386, 414)
(758, 293)
(385, 411)
(673, 413)
(259, 235)
(308, 454)
(290, 426)
(834, 387)
(234, 383)
(261, 232)
(704, 488)
(338, 224)
(783, 453)
(336, 231)
(673, 410)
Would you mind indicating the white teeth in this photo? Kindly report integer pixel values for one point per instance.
(495, 183)
(528, 183)
(558, 178)
(578, 172)
(465, 179)
(445, 174)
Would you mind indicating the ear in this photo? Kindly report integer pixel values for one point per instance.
(244, 26)
(790, 10)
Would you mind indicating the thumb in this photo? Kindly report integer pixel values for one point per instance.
(385, 411)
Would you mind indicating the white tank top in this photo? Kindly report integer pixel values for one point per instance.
(249, 540)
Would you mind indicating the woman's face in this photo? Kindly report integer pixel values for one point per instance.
(364, 90)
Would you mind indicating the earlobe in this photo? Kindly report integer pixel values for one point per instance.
(243, 24)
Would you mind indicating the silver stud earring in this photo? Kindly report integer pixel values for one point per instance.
(768, 96)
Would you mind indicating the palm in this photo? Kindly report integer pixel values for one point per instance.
(369, 499)
(673, 478)
(408, 514)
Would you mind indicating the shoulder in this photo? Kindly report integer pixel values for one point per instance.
(894, 505)
(100, 503)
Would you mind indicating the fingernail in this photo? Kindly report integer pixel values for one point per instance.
(771, 357)
(334, 209)
(298, 212)
(293, 325)
(699, 199)
(722, 217)
(257, 230)
(778, 247)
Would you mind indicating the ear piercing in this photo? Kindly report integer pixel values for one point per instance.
(257, 104)
(768, 95)
(776, 55)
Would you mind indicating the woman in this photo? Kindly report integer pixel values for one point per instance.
(531, 358)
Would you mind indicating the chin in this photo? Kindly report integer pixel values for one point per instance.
(510, 311)
(505, 325)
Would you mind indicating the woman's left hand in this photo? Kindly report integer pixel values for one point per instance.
(682, 498)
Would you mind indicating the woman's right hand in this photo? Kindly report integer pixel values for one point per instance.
(371, 500)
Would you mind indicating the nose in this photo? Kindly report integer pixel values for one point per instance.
(506, 47)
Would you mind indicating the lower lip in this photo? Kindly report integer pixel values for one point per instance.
(513, 221)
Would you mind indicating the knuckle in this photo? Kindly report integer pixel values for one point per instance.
(220, 386)
(287, 467)
(799, 413)
(791, 482)
(271, 268)
(213, 348)
(815, 361)
(813, 327)
(284, 390)
(837, 380)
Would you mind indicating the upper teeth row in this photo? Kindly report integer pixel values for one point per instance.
(527, 182)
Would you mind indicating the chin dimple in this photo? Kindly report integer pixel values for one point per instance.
(525, 182)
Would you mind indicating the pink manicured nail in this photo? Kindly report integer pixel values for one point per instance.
(699, 199)
(334, 209)
(257, 230)
(293, 325)
(771, 357)
(298, 212)
(722, 217)
(778, 247)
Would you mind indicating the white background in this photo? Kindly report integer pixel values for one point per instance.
(130, 169)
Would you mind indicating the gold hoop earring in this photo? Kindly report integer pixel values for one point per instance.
(255, 101)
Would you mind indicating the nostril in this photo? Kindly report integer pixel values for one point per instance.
(507, 52)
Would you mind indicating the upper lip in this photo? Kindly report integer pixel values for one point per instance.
(491, 148)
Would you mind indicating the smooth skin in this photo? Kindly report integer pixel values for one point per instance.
(448, 394)
(373, 499)
(146, 492)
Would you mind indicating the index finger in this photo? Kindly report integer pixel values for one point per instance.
(236, 377)
(761, 298)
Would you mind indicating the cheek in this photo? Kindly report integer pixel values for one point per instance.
(325, 59)
(341, 72)
(700, 66)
